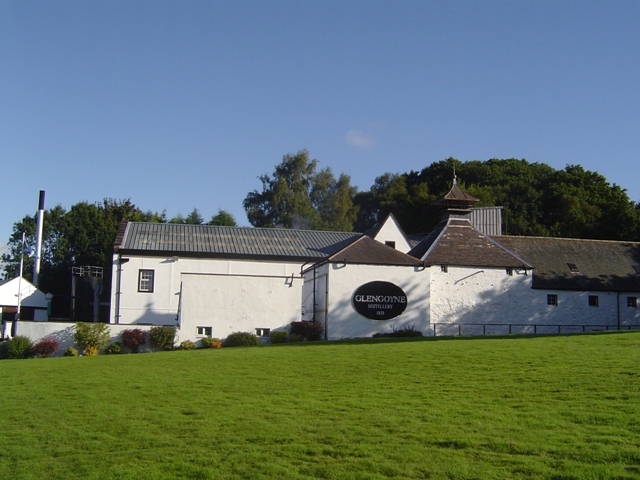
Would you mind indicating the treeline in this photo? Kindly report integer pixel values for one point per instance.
(83, 236)
(536, 199)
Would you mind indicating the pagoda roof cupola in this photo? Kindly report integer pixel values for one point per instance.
(456, 201)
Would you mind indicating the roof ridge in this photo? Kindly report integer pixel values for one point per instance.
(246, 227)
(567, 239)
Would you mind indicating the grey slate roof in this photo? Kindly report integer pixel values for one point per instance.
(602, 265)
(210, 241)
(456, 242)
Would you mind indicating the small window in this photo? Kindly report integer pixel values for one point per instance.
(632, 302)
(263, 332)
(444, 269)
(145, 281)
(510, 271)
(204, 331)
(573, 267)
(390, 243)
(593, 300)
(552, 299)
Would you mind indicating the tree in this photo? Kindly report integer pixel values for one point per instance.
(223, 219)
(194, 218)
(537, 199)
(296, 196)
(82, 236)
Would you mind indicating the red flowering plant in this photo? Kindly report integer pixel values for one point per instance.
(45, 347)
(133, 339)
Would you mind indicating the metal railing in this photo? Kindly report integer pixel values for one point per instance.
(522, 328)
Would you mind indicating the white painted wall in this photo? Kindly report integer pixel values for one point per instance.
(477, 301)
(629, 316)
(390, 231)
(343, 321)
(31, 296)
(238, 303)
(161, 306)
(63, 332)
(475, 296)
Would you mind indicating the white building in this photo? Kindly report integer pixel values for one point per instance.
(212, 281)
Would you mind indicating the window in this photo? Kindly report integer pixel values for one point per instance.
(444, 269)
(390, 243)
(573, 268)
(632, 302)
(552, 299)
(204, 331)
(510, 271)
(145, 281)
(262, 332)
(593, 300)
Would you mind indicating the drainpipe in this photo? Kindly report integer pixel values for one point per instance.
(618, 307)
(120, 261)
(326, 306)
(313, 318)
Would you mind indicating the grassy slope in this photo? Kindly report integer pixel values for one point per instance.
(563, 407)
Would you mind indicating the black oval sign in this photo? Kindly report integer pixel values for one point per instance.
(379, 300)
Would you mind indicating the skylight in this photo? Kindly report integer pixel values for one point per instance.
(573, 267)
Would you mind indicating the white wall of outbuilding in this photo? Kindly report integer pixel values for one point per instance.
(483, 301)
(193, 290)
(335, 284)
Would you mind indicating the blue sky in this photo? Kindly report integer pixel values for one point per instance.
(183, 104)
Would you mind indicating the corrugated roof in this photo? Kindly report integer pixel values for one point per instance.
(602, 265)
(457, 242)
(215, 241)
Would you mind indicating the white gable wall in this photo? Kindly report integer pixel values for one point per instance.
(335, 297)
(31, 297)
(390, 232)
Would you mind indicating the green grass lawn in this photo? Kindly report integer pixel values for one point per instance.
(565, 407)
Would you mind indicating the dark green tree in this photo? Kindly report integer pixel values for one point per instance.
(194, 218)
(536, 199)
(297, 196)
(223, 219)
(82, 236)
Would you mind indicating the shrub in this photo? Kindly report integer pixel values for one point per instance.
(114, 349)
(295, 337)
(211, 343)
(18, 347)
(91, 351)
(46, 347)
(186, 345)
(309, 330)
(91, 337)
(71, 352)
(133, 339)
(405, 332)
(162, 337)
(278, 336)
(241, 339)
